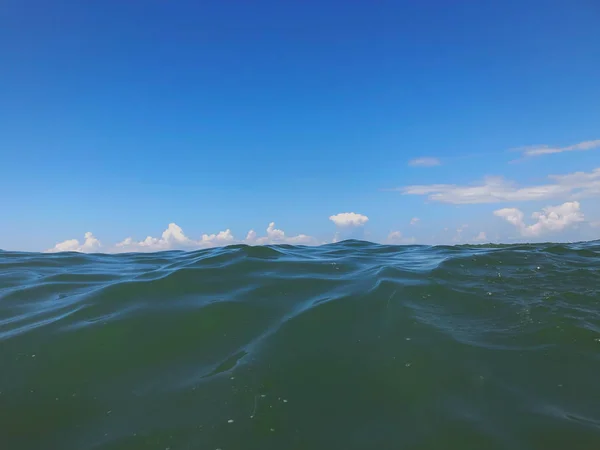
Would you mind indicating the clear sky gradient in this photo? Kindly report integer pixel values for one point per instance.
(121, 117)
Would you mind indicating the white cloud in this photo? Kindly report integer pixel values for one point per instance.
(221, 238)
(481, 236)
(301, 239)
(414, 220)
(511, 215)
(550, 219)
(537, 150)
(349, 219)
(275, 236)
(496, 189)
(424, 162)
(91, 244)
(172, 238)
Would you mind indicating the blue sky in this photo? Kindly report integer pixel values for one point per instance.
(120, 118)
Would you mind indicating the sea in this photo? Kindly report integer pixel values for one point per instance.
(352, 345)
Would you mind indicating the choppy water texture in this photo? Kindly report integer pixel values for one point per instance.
(344, 346)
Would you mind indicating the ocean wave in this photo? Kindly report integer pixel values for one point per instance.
(346, 345)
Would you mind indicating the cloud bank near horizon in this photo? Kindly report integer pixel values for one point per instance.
(550, 219)
(173, 238)
(547, 222)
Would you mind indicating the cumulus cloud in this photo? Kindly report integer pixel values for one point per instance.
(173, 238)
(424, 162)
(276, 236)
(349, 219)
(550, 219)
(90, 245)
(537, 150)
(221, 238)
(513, 216)
(497, 189)
(414, 220)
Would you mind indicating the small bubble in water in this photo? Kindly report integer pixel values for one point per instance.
(489, 293)
(230, 421)
(538, 267)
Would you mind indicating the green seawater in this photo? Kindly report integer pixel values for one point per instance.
(344, 346)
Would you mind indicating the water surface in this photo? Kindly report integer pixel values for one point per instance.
(344, 346)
